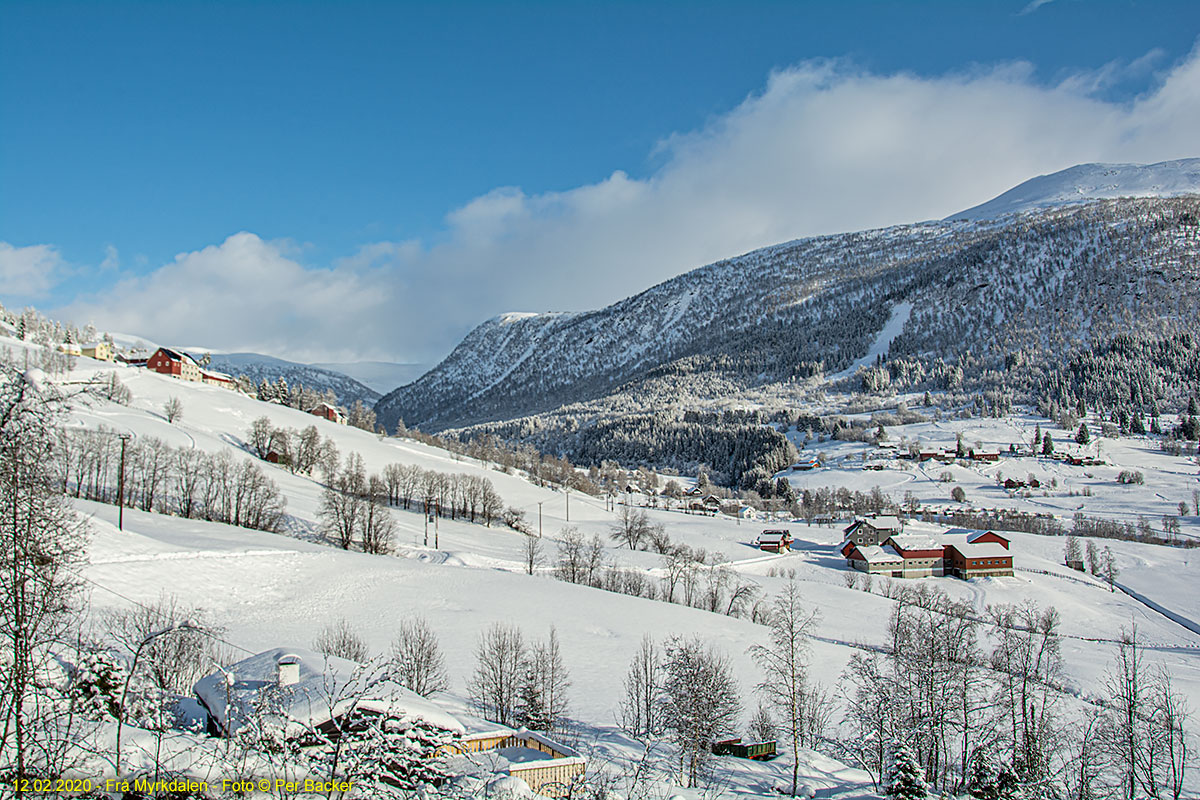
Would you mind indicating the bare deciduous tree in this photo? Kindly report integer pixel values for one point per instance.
(173, 409)
(499, 662)
(638, 713)
(532, 553)
(785, 686)
(339, 640)
(417, 662)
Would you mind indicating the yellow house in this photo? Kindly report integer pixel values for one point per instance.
(70, 348)
(101, 351)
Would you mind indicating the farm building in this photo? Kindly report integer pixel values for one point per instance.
(101, 351)
(874, 559)
(166, 361)
(710, 504)
(960, 552)
(970, 536)
(776, 541)
(872, 530)
(922, 554)
(979, 560)
(328, 411)
(213, 378)
(135, 358)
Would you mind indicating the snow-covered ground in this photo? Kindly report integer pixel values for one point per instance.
(270, 590)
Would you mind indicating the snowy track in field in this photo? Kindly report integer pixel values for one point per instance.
(195, 554)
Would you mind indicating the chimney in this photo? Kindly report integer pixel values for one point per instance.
(287, 670)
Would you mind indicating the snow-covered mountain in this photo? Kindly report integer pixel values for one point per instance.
(257, 367)
(381, 376)
(1021, 308)
(1086, 182)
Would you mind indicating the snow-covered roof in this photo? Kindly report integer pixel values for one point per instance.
(887, 522)
(874, 554)
(774, 536)
(326, 688)
(916, 541)
(965, 535)
(981, 550)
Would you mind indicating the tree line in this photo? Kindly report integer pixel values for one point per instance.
(181, 481)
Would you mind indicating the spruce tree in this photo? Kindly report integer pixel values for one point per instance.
(1082, 436)
(982, 782)
(906, 778)
(1047, 445)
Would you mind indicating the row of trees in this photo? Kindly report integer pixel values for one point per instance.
(171, 480)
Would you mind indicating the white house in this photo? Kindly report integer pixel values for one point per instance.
(300, 692)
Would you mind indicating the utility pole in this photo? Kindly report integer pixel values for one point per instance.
(539, 519)
(125, 437)
(427, 523)
(435, 525)
(568, 505)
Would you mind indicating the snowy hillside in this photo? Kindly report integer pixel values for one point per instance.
(1086, 182)
(258, 367)
(268, 590)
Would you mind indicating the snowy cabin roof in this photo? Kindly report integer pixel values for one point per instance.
(774, 536)
(325, 688)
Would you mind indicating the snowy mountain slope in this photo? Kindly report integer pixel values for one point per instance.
(258, 367)
(1086, 182)
(379, 376)
(995, 306)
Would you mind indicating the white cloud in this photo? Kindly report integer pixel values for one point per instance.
(112, 259)
(247, 294)
(1034, 5)
(824, 147)
(29, 272)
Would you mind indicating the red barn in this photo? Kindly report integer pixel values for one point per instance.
(775, 541)
(329, 412)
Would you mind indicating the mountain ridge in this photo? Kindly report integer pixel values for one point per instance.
(1086, 182)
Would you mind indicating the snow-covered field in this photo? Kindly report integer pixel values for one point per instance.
(270, 590)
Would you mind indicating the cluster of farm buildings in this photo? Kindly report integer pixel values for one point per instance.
(177, 364)
(304, 698)
(879, 546)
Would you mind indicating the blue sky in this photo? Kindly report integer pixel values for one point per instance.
(393, 173)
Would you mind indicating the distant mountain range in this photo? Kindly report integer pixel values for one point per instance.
(258, 367)
(1008, 305)
(380, 376)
